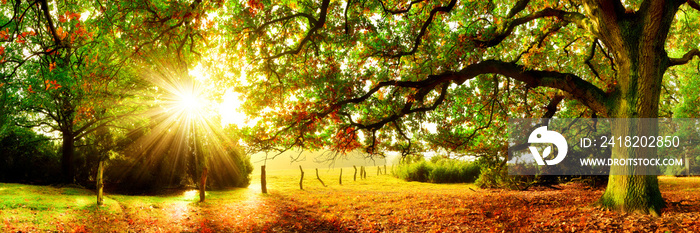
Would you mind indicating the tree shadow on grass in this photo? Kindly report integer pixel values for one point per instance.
(264, 213)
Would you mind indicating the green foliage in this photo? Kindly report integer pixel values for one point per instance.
(437, 170)
(232, 171)
(28, 157)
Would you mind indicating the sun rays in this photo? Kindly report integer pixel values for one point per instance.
(184, 134)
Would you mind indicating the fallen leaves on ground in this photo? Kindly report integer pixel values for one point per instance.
(448, 208)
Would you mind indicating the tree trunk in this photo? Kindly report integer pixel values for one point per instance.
(633, 193)
(100, 182)
(67, 154)
(636, 42)
(637, 99)
(340, 178)
(263, 179)
(636, 96)
(203, 184)
(301, 180)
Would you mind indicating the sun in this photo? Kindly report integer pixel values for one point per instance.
(230, 108)
(190, 102)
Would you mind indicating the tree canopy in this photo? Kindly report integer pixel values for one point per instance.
(380, 74)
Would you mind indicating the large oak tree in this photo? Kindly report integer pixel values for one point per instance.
(371, 73)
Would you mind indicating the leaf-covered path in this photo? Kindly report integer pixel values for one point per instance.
(379, 203)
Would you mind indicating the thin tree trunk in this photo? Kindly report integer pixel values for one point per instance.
(340, 178)
(263, 179)
(100, 182)
(67, 152)
(384, 169)
(301, 181)
(379, 171)
(203, 185)
(319, 178)
(354, 176)
(687, 165)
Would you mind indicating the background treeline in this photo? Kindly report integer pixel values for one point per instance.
(29, 157)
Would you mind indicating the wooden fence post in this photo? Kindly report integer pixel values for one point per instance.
(354, 177)
(100, 182)
(302, 178)
(263, 179)
(340, 178)
(319, 178)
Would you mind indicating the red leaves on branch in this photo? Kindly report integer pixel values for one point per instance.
(5, 35)
(255, 6)
(53, 83)
(346, 140)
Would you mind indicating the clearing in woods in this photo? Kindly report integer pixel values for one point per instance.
(378, 203)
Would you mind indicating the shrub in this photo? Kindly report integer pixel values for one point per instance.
(27, 157)
(437, 170)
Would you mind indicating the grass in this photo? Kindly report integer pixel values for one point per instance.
(378, 203)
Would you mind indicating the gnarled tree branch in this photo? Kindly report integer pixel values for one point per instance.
(685, 59)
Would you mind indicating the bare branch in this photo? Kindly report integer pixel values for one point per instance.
(519, 6)
(315, 23)
(685, 59)
(424, 28)
(591, 54)
(49, 20)
(399, 11)
(571, 17)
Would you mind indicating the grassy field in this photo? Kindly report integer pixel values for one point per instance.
(378, 203)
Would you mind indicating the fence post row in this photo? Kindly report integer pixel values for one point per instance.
(354, 177)
(319, 178)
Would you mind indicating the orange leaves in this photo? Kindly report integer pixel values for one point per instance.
(30, 89)
(255, 6)
(73, 15)
(345, 140)
(51, 85)
(52, 66)
(68, 16)
(84, 112)
(61, 34)
(5, 35)
(2, 50)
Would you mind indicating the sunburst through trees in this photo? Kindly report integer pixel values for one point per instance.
(184, 140)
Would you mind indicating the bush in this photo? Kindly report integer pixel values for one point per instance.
(437, 170)
(27, 157)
